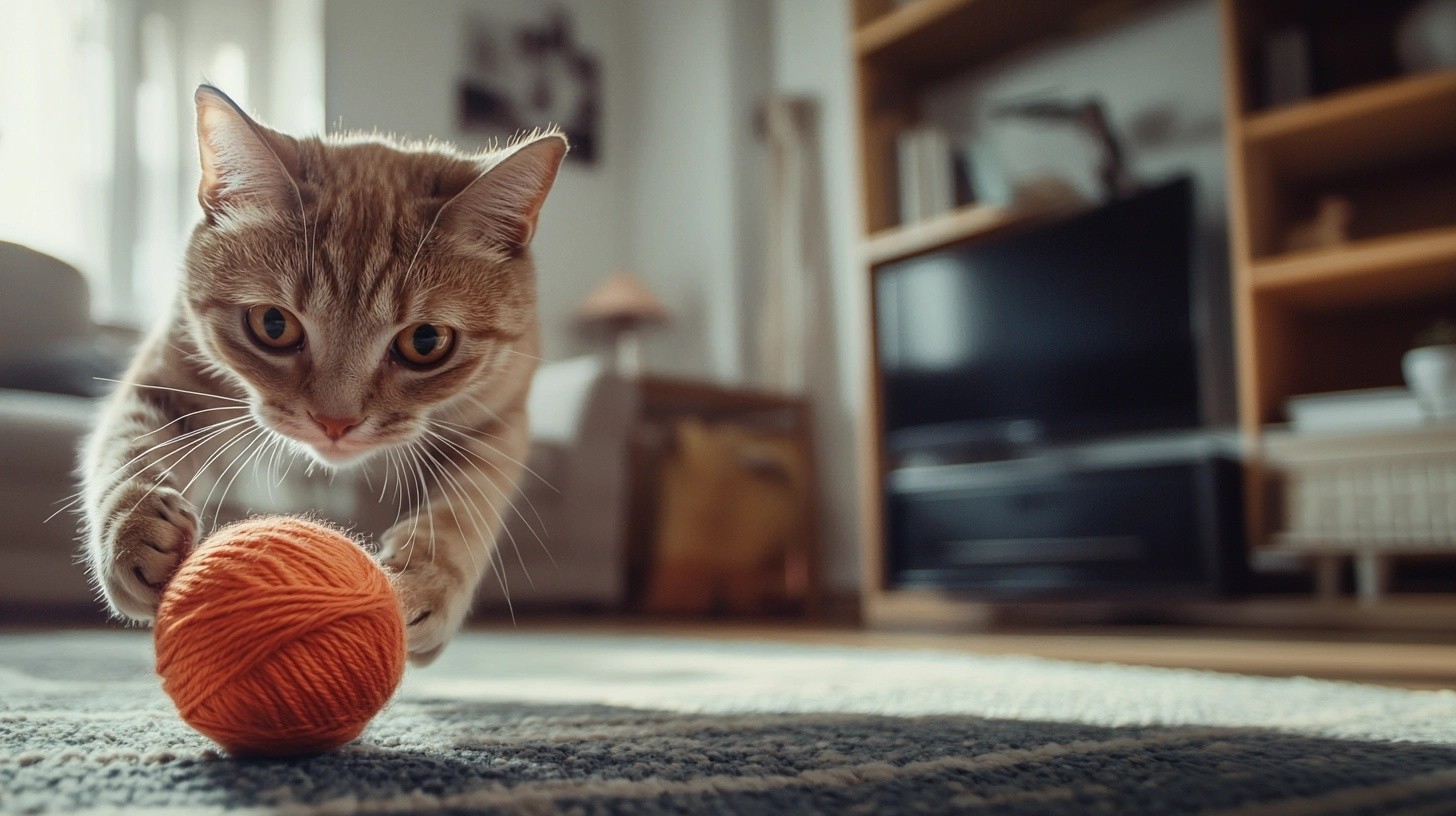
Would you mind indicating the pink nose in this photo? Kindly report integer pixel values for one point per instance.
(335, 427)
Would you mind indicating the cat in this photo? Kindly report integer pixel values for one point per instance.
(351, 298)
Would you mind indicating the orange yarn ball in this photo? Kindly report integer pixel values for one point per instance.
(279, 637)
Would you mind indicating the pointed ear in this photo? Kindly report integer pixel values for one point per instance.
(501, 205)
(243, 163)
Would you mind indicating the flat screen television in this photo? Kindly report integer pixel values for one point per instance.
(1076, 329)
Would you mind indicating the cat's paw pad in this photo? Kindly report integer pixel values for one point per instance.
(152, 531)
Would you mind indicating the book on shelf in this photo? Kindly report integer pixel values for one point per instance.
(1368, 409)
(927, 173)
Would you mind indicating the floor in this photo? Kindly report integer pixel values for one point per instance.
(1420, 660)
(1424, 661)
(589, 722)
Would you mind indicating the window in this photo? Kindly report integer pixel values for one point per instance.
(97, 144)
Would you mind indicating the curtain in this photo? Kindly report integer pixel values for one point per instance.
(796, 272)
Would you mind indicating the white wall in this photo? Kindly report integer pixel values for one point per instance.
(393, 66)
(683, 171)
(811, 56)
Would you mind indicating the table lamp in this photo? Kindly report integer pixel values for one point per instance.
(622, 306)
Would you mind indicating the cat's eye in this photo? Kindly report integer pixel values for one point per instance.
(274, 327)
(424, 345)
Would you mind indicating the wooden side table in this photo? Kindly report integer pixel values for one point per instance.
(663, 402)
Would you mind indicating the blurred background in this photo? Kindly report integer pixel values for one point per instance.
(926, 313)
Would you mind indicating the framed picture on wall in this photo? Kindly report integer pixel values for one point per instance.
(517, 76)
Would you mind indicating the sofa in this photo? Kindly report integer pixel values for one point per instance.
(564, 544)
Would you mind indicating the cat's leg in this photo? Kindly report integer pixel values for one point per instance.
(444, 549)
(138, 524)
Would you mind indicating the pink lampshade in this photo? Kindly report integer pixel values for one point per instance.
(622, 299)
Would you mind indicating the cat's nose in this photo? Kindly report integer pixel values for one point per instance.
(335, 427)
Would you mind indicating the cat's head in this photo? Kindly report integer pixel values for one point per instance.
(351, 285)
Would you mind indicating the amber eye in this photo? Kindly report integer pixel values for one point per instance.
(275, 327)
(424, 344)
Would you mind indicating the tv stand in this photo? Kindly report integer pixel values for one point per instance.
(1153, 517)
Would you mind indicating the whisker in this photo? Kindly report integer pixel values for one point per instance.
(507, 499)
(509, 350)
(435, 471)
(70, 500)
(193, 447)
(398, 490)
(414, 510)
(260, 439)
(500, 518)
(493, 449)
(428, 230)
(429, 507)
(496, 562)
(191, 414)
(214, 457)
(167, 388)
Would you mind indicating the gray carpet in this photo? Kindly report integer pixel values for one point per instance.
(542, 724)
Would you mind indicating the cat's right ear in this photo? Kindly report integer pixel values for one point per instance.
(243, 163)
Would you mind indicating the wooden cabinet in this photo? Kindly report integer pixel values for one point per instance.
(1308, 318)
(1339, 316)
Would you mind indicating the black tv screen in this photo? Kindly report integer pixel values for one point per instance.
(1077, 328)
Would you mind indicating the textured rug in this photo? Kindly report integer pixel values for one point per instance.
(546, 724)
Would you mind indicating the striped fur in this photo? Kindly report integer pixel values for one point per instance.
(358, 237)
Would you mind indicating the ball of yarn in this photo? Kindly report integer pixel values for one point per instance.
(279, 637)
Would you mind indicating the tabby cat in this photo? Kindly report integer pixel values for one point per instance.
(346, 298)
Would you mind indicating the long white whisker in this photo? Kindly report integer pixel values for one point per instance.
(467, 451)
(510, 350)
(192, 414)
(493, 449)
(506, 498)
(496, 562)
(398, 486)
(260, 437)
(188, 452)
(215, 455)
(166, 388)
(429, 507)
(483, 528)
(70, 501)
(435, 471)
(500, 519)
(414, 510)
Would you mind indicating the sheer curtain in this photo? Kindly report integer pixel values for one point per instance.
(98, 163)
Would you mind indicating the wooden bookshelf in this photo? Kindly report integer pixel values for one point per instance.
(932, 39)
(1306, 321)
(1384, 122)
(1390, 269)
(1335, 317)
(902, 50)
(974, 222)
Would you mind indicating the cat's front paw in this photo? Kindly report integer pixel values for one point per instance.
(434, 593)
(149, 532)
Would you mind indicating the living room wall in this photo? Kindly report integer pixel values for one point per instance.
(393, 67)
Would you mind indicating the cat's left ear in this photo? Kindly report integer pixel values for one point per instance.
(243, 162)
(501, 205)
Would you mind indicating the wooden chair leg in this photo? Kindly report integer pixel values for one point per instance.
(1372, 576)
(1327, 576)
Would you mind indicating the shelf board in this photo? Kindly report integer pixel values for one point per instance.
(1393, 120)
(936, 609)
(963, 224)
(931, 39)
(1393, 268)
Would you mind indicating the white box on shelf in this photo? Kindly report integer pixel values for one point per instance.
(1366, 409)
